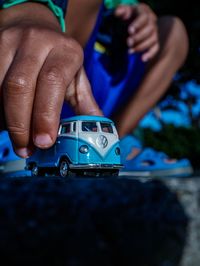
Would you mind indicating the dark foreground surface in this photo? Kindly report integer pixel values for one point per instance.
(78, 222)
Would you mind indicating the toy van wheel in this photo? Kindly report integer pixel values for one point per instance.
(35, 170)
(63, 168)
(115, 173)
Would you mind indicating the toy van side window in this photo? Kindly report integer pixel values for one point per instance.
(106, 127)
(89, 126)
(74, 126)
(65, 129)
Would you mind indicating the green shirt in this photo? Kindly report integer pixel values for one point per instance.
(114, 3)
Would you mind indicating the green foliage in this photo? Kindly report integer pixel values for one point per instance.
(176, 142)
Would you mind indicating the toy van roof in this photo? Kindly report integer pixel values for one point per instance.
(86, 118)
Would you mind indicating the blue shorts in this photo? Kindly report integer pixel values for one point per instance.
(111, 88)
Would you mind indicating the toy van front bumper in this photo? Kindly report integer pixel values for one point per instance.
(95, 166)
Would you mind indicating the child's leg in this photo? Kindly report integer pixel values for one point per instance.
(159, 74)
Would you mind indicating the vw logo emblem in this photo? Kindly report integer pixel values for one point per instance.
(102, 141)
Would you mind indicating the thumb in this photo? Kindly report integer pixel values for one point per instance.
(79, 96)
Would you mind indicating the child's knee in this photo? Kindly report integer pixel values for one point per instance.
(173, 38)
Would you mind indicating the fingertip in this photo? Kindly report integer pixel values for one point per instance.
(145, 58)
(95, 112)
(23, 152)
(149, 55)
(131, 51)
(43, 141)
(123, 11)
(119, 11)
(131, 29)
(130, 42)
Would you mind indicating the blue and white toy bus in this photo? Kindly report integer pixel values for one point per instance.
(86, 145)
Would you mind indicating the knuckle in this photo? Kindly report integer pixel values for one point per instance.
(53, 76)
(18, 84)
(18, 133)
(18, 129)
(78, 58)
(6, 36)
(9, 35)
(76, 51)
(3, 36)
(45, 117)
(43, 121)
(30, 32)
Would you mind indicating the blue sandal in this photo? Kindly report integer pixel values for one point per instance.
(150, 163)
(9, 161)
(6, 150)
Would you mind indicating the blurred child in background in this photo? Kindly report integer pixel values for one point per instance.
(131, 56)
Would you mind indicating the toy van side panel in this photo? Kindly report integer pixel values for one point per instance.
(64, 147)
(43, 157)
(46, 156)
(67, 147)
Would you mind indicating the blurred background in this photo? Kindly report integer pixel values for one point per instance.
(173, 126)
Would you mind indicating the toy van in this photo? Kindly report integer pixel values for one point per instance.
(86, 145)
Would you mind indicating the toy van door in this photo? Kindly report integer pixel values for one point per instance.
(67, 142)
(88, 133)
(46, 156)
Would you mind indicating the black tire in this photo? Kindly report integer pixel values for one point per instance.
(115, 173)
(63, 168)
(35, 170)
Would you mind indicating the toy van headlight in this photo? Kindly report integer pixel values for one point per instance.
(117, 151)
(84, 149)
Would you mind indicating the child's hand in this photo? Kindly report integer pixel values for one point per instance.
(40, 67)
(143, 30)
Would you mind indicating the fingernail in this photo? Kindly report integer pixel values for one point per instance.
(145, 59)
(43, 140)
(131, 51)
(130, 42)
(23, 152)
(131, 29)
